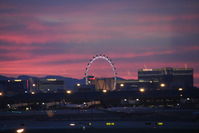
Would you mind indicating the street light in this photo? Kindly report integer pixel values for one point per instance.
(1, 93)
(121, 85)
(142, 90)
(78, 84)
(68, 91)
(104, 91)
(180, 89)
(162, 85)
(20, 130)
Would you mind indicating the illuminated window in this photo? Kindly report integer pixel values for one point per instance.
(160, 123)
(17, 80)
(110, 124)
(51, 79)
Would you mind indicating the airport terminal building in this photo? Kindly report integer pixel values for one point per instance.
(160, 79)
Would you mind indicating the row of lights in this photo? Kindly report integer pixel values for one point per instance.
(161, 85)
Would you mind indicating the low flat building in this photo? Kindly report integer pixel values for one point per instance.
(168, 78)
(51, 85)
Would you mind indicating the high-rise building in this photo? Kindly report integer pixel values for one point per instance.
(168, 77)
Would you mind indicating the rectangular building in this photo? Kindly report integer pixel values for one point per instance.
(16, 86)
(169, 78)
(51, 85)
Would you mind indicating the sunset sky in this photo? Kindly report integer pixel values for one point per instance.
(59, 37)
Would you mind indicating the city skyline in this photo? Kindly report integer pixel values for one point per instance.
(60, 37)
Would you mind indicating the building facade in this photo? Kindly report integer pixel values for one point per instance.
(51, 85)
(168, 78)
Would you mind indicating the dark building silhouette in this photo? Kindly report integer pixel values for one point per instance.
(16, 86)
(168, 77)
(51, 85)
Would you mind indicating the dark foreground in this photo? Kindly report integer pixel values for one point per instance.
(115, 130)
(117, 120)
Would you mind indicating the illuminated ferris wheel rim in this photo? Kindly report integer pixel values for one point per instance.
(104, 57)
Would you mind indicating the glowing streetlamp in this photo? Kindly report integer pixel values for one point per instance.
(68, 92)
(162, 85)
(1, 93)
(180, 89)
(121, 85)
(20, 130)
(104, 91)
(142, 90)
(78, 85)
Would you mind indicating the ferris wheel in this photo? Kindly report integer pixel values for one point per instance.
(106, 58)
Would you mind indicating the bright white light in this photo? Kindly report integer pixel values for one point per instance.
(125, 100)
(68, 91)
(33, 85)
(78, 85)
(142, 90)
(21, 130)
(104, 91)
(137, 99)
(33, 93)
(72, 124)
(162, 85)
(188, 98)
(121, 85)
(1, 93)
(180, 89)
